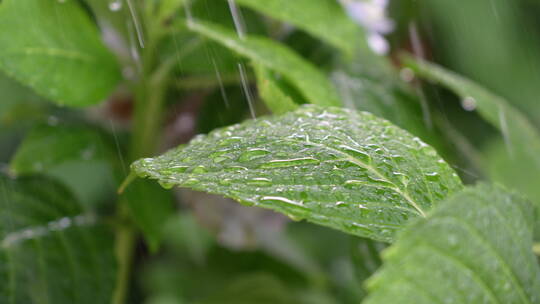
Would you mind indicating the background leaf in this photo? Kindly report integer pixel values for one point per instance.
(150, 206)
(326, 20)
(273, 91)
(522, 139)
(474, 248)
(81, 156)
(307, 78)
(343, 169)
(50, 250)
(53, 47)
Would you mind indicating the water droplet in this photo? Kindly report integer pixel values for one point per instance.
(252, 154)
(174, 170)
(115, 5)
(230, 140)
(280, 163)
(433, 176)
(260, 181)
(225, 182)
(281, 200)
(468, 103)
(166, 184)
(353, 184)
(380, 181)
(191, 182)
(341, 204)
(361, 155)
(199, 170)
(219, 159)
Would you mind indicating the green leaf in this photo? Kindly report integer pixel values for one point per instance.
(474, 248)
(64, 151)
(339, 168)
(52, 47)
(272, 91)
(50, 250)
(311, 82)
(48, 146)
(19, 104)
(151, 206)
(521, 137)
(255, 288)
(325, 20)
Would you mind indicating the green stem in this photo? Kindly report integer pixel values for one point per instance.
(125, 242)
(147, 123)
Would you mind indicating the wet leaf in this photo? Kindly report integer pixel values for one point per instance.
(474, 248)
(326, 20)
(52, 47)
(50, 250)
(311, 82)
(339, 168)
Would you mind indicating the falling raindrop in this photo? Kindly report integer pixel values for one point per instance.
(247, 91)
(136, 22)
(237, 19)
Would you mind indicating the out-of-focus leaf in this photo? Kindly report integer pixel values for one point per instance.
(249, 289)
(325, 20)
(64, 151)
(474, 248)
(307, 78)
(476, 38)
(48, 146)
(52, 47)
(151, 206)
(50, 250)
(521, 137)
(18, 104)
(273, 93)
(339, 168)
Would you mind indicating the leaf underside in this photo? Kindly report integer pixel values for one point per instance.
(339, 168)
(474, 248)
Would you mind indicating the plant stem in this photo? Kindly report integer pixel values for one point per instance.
(125, 242)
(146, 125)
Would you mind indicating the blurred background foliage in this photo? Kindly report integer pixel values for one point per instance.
(206, 249)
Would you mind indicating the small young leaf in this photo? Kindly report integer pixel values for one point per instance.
(338, 168)
(52, 47)
(325, 20)
(474, 248)
(271, 91)
(313, 84)
(50, 250)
